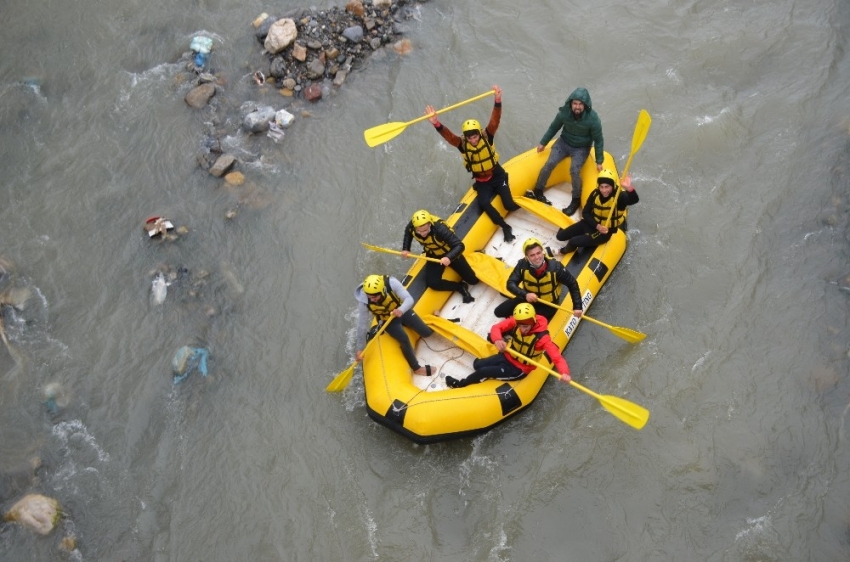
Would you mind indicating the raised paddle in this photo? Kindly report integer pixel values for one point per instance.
(388, 251)
(625, 411)
(638, 136)
(341, 380)
(388, 131)
(494, 273)
(641, 129)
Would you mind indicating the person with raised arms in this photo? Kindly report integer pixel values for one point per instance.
(482, 160)
(594, 227)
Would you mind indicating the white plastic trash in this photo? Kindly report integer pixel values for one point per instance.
(201, 44)
(283, 118)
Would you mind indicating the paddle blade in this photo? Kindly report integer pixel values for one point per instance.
(544, 211)
(492, 271)
(631, 336)
(627, 412)
(383, 133)
(462, 337)
(641, 129)
(341, 380)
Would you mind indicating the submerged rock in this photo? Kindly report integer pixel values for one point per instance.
(36, 512)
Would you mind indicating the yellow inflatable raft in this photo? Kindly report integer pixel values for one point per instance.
(423, 408)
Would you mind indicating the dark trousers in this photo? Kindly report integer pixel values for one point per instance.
(396, 330)
(560, 151)
(507, 308)
(583, 235)
(494, 367)
(486, 191)
(434, 275)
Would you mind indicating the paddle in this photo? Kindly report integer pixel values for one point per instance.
(494, 273)
(388, 251)
(631, 336)
(544, 211)
(638, 136)
(641, 129)
(464, 338)
(630, 413)
(388, 131)
(625, 411)
(341, 380)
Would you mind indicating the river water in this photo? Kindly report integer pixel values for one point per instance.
(737, 272)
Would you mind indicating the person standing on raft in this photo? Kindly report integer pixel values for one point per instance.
(481, 159)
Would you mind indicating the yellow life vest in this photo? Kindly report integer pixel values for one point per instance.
(547, 287)
(433, 248)
(481, 158)
(390, 302)
(601, 210)
(525, 344)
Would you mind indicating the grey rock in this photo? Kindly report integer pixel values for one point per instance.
(353, 33)
(316, 69)
(222, 164)
(258, 121)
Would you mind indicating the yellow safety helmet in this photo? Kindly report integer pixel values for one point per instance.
(420, 217)
(374, 285)
(607, 176)
(471, 126)
(524, 313)
(530, 243)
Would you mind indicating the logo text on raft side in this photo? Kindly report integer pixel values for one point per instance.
(585, 302)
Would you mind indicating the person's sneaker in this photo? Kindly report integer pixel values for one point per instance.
(533, 194)
(571, 210)
(509, 234)
(464, 292)
(565, 250)
(452, 382)
(542, 198)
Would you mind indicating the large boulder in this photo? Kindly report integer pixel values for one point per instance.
(36, 512)
(281, 34)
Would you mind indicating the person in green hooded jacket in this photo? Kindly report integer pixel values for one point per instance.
(581, 129)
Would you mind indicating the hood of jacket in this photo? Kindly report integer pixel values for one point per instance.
(582, 95)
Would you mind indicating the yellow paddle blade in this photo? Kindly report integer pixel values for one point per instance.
(492, 271)
(464, 338)
(341, 380)
(631, 336)
(383, 133)
(544, 211)
(641, 129)
(625, 411)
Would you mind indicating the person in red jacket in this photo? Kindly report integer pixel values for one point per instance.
(525, 332)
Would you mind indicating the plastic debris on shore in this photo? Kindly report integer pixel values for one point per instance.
(188, 359)
(159, 289)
